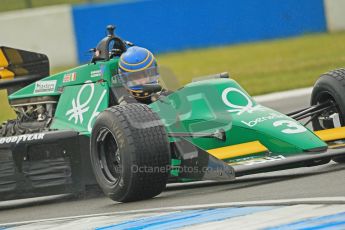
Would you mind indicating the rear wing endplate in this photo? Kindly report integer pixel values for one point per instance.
(20, 67)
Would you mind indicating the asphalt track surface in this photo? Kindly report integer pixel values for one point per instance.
(321, 181)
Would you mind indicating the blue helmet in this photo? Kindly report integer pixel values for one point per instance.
(137, 67)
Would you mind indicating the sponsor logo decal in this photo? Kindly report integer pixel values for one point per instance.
(293, 126)
(240, 109)
(262, 160)
(22, 138)
(265, 160)
(68, 77)
(259, 120)
(78, 109)
(45, 86)
(98, 73)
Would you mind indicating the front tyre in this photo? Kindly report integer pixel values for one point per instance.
(130, 153)
(330, 87)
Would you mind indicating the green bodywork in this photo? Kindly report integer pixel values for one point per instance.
(210, 105)
(83, 93)
(202, 106)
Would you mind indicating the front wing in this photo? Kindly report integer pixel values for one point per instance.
(214, 164)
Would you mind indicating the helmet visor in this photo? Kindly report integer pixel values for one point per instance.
(139, 78)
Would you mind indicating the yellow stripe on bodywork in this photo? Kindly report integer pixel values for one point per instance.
(6, 74)
(3, 60)
(331, 134)
(256, 147)
(238, 150)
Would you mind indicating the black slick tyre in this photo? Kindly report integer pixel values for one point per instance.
(330, 87)
(130, 153)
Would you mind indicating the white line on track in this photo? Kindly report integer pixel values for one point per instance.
(283, 202)
(283, 95)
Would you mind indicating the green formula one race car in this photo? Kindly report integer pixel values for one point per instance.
(89, 126)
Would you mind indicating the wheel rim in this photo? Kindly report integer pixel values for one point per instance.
(324, 123)
(108, 156)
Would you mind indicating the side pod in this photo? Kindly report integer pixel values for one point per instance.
(42, 164)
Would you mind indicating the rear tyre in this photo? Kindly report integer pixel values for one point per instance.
(130, 153)
(330, 87)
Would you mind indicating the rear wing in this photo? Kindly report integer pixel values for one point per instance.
(19, 68)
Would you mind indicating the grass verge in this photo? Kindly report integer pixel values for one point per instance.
(264, 67)
(8, 5)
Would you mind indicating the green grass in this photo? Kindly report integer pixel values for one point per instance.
(264, 67)
(261, 67)
(7, 5)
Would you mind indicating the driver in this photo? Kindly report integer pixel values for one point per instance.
(137, 68)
